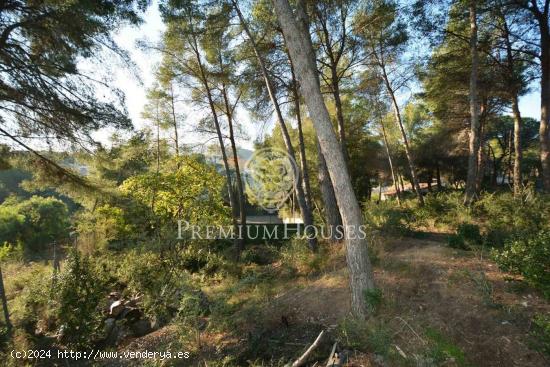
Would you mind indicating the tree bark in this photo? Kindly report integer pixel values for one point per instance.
(238, 178)
(307, 217)
(301, 49)
(174, 121)
(301, 143)
(334, 56)
(544, 130)
(397, 193)
(332, 214)
(514, 92)
(471, 179)
(399, 121)
(518, 182)
(339, 112)
(5, 304)
(234, 216)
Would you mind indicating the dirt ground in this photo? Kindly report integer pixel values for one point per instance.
(432, 295)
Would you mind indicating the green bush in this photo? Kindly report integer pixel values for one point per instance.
(467, 236)
(529, 257)
(506, 217)
(541, 333)
(374, 299)
(35, 222)
(388, 217)
(81, 293)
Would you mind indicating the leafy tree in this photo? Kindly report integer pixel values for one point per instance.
(35, 222)
(385, 40)
(43, 92)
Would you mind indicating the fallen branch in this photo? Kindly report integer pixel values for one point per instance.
(300, 361)
(334, 359)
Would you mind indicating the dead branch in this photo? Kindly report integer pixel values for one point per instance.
(300, 361)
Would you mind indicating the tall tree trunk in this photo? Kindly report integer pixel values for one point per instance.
(514, 87)
(518, 182)
(301, 143)
(307, 217)
(174, 121)
(399, 121)
(5, 304)
(334, 57)
(470, 192)
(397, 193)
(339, 111)
(158, 141)
(332, 214)
(238, 178)
(544, 130)
(233, 202)
(301, 49)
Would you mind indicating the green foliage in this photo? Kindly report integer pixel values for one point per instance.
(81, 291)
(11, 224)
(298, 257)
(374, 299)
(467, 236)
(187, 188)
(35, 222)
(11, 252)
(541, 333)
(442, 349)
(507, 217)
(529, 257)
(372, 336)
(388, 217)
(106, 226)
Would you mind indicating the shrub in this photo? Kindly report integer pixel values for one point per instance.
(297, 255)
(373, 298)
(11, 252)
(80, 290)
(467, 236)
(35, 222)
(541, 333)
(529, 257)
(506, 217)
(388, 217)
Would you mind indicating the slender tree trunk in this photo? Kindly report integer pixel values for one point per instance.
(301, 49)
(513, 85)
(300, 196)
(301, 143)
(518, 156)
(544, 130)
(397, 194)
(332, 214)
(398, 120)
(5, 304)
(334, 57)
(238, 178)
(174, 120)
(158, 141)
(470, 192)
(339, 111)
(233, 202)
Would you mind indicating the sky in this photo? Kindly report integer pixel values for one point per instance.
(146, 61)
(135, 89)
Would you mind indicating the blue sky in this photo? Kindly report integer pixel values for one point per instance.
(135, 89)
